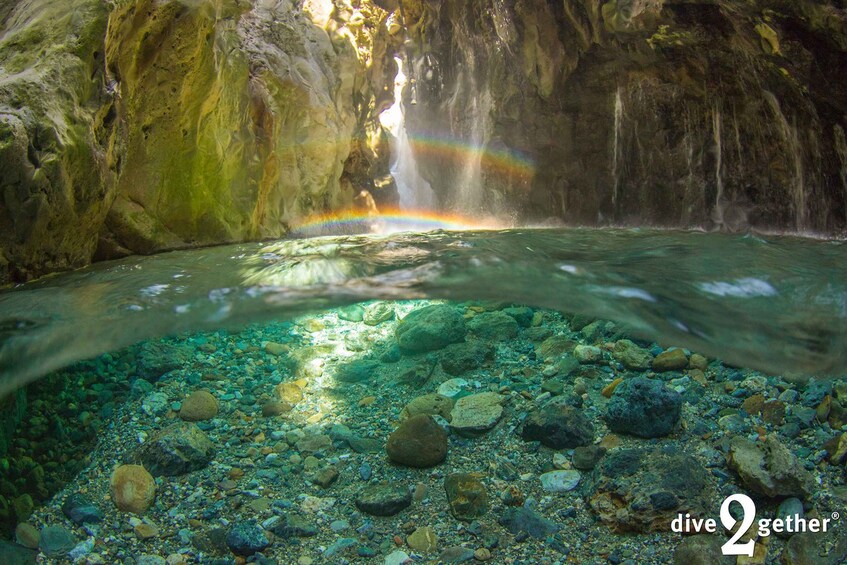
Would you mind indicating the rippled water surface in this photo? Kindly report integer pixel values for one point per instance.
(773, 303)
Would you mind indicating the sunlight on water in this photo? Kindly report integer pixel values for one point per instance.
(777, 304)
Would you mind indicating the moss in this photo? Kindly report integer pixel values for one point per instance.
(665, 38)
(769, 39)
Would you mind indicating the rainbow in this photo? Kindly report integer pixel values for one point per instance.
(503, 161)
(388, 221)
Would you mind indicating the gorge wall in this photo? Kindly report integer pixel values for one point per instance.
(672, 113)
(140, 125)
(133, 126)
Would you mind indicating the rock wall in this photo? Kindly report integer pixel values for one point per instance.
(141, 125)
(674, 113)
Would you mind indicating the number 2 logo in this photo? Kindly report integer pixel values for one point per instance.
(733, 547)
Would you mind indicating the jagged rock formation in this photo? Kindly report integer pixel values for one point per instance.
(679, 113)
(140, 125)
(132, 126)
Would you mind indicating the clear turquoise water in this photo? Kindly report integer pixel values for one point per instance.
(773, 303)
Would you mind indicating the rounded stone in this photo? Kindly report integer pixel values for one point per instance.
(430, 328)
(133, 488)
(200, 405)
(430, 404)
(671, 360)
(56, 541)
(418, 442)
(631, 356)
(560, 481)
(27, 535)
(273, 408)
(423, 540)
(701, 549)
(494, 326)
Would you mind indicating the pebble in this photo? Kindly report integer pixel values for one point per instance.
(560, 481)
(670, 360)
(339, 546)
(587, 354)
(133, 488)
(524, 520)
(176, 450)
(631, 356)
(453, 387)
(146, 531)
(466, 495)
(790, 507)
(456, 555)
(397, 557)
(80, 510)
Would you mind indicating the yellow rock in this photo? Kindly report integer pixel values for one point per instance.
(289, 392)
(423, 540)
(200, 405)
(769, 39)
(133, 488)
(276, 348)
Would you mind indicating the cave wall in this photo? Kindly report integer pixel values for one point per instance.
(670, 113)
(141, 125)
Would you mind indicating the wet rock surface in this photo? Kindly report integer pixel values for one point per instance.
(769, 468)
(430, 328)
(559, 425)
(418, 442)
(178, 449)
(644, 489)
(643, 407)
(383, 500)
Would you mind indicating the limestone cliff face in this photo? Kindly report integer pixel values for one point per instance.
(677, 113)
(55, 187)
(142, 125)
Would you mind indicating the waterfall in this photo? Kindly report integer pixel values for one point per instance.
(841, 151)
(415, 192)
(795, 153)
(720, 204)
(617, 151)
(470, 191)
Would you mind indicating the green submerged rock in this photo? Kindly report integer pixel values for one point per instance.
(430, 328)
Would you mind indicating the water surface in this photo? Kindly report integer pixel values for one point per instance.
(773, 303)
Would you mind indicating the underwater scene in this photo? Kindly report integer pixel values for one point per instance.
(401, 282)
(393, 399)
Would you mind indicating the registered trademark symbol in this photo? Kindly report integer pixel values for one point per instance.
(836, 515)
